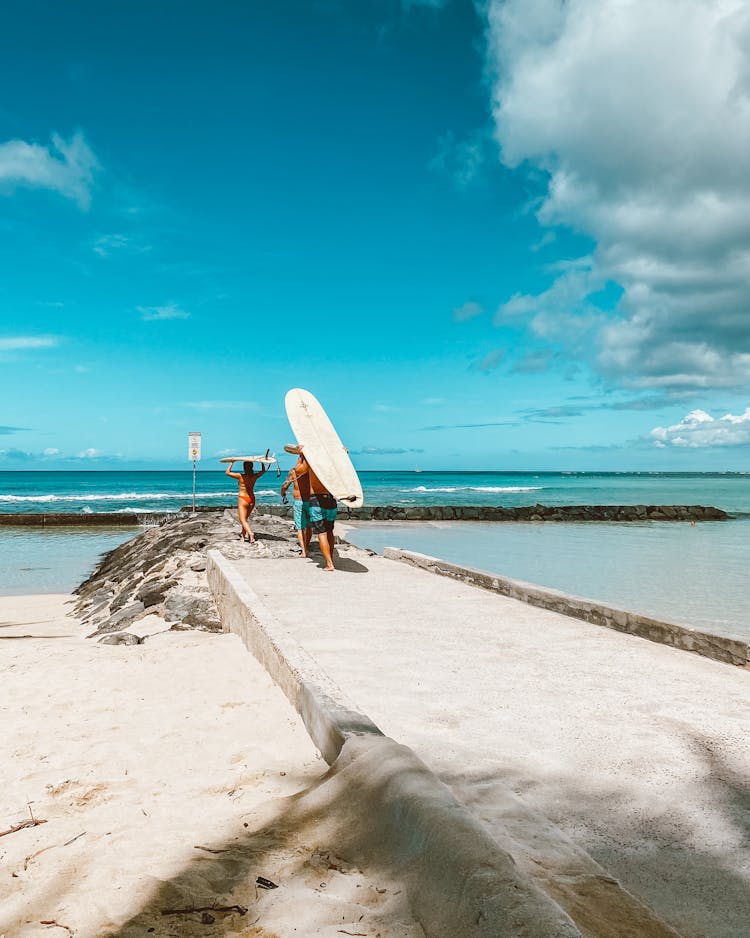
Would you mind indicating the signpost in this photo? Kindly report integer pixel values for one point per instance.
(194, 453)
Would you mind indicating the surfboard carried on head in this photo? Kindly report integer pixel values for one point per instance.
(322, 447)
(265, 460)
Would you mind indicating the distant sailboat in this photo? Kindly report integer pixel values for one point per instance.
(417, 469)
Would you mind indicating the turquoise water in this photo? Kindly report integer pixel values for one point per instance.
(690, 574)
(168, 491)
(53, 560)
(694, 575)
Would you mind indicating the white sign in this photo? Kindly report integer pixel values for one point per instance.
(194, 446)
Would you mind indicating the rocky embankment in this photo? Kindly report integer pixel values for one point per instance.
(162, 572)
(526, 513)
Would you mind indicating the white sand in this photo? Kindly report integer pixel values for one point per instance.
(138, 757)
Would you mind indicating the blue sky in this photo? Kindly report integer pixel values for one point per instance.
(506, 235)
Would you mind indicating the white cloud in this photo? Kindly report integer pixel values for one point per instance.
(222, 405)
(432, 4)
(168, 311)
(51, 451)
(638, 112)
(108, 244)
(467, 311)
(461, 160)
(20, 342)
(490, 361)
(89, 453)
(699, 429)
(67, 167)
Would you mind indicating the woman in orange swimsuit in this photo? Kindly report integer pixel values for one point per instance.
(246, 496)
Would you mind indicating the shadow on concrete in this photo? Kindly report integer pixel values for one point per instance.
(660, 856)
(347, 565)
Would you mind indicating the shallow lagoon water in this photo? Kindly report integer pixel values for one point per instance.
(694, 575)
(52, 560)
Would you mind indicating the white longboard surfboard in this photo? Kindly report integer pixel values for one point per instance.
(322, 447)
(266, 460)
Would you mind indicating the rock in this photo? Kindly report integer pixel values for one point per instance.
(196, 609)
(122, 617)
(152, 592)
(120, 638)
(199, 566)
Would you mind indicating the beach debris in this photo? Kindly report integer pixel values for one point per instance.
(193, 910)
(210, 849)
(266, 883)
(31, 822)
(50, 922)
(73, 839)
(207, 919)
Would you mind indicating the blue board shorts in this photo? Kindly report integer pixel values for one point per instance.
(322, 512)
(301, 515)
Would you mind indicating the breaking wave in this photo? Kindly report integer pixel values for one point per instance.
(475, 488)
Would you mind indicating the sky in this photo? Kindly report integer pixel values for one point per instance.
(510, 234)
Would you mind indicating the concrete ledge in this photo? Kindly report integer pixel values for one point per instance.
(330, 718)
(729, 650)
(461, 881)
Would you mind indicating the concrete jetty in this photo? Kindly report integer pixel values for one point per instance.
(610, 770)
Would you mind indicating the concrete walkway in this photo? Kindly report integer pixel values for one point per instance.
(638, 753)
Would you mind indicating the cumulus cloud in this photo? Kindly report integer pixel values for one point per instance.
(51, 451)
(64, 166)
(168, 311)
(699, 429)
(638, 114)
(89, 453)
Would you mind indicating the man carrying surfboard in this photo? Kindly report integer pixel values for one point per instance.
(300, 480)
(323, 513)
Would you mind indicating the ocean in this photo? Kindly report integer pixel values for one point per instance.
(694, 575)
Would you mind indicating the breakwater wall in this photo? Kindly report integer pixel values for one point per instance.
(527, 513)
(392, 513)
(114, 519)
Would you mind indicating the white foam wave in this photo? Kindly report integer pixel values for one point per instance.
(118, 497)
(475, 488)
(267, 492)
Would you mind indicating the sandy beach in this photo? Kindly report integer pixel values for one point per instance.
(168, 776)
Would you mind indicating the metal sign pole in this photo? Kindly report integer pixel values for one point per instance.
(194, 453)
